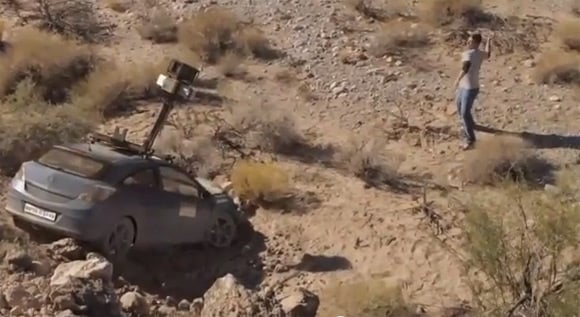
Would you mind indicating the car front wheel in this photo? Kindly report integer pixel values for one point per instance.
(222, 233)
(119, 241)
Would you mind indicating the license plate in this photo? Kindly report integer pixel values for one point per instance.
(45, 214)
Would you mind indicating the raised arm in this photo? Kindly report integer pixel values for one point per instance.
(487, 49)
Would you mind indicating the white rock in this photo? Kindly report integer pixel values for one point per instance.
(555, 98)
(135, 303)
(95, 267)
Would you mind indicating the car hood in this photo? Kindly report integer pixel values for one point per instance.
(210, 186)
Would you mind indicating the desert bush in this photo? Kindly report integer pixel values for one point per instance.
(367, 298)
(159, 27)
(373, 11)
(27, 134)
(504, 158)
(260, 182)
(557, 67)
(77, 19)
(194, 153)
(365, 158)
(268, 128)
(568, 31)
(118, 5)
(443, 12)
(395, 36)
(112, 88)
(525, 243)
(52, 62)
(213, 32)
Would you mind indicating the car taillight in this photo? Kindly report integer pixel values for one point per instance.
(96, 194)
(20, 174)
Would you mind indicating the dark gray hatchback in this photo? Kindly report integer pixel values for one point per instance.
(117, 200)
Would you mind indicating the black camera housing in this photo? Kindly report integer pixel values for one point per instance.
(182, 72)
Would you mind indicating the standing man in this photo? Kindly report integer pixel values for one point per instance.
(468, 84)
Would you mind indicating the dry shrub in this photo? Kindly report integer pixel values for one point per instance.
(215, 31)
(394, 36)
(568, 32)
(521, 252)
(373, 11)
(365, 157)
(118, 5)
(159, 27)
(260, 182)
(557, 67)
(443, 12)
(230, 65)
(53, 63)
(196, 154)
(501, 158)
(27, 134)
(268, 128)
(367, 298)
(77, 19)
(112, 88)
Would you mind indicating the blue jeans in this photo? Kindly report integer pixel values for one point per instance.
(465, 100)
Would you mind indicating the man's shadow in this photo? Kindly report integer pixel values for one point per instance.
(539, 141)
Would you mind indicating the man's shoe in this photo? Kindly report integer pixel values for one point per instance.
(468, 146)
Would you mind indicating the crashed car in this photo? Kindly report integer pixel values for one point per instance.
(115, 199)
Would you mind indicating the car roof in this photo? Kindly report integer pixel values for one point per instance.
(110, 154)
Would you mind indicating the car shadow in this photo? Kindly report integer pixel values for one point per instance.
(539, 141)
(187, 272)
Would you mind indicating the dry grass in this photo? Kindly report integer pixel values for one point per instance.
(112, 88)
(557, 67)
(76, 19)
(26, 134)
(502, 158)
(523, 246)
(53, 63)
(159, 27)
(568, 31)
(365, 157)
(443, 12)
(215, 31)
(120, 6)
(195, 153)
(367, 298)
(268, 128)
(390, 9)
(260, 182)
(395, 36)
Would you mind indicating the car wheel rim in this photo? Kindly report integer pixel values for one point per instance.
(120, 240)
(222, 233)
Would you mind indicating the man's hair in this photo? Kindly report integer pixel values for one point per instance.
(476, 38)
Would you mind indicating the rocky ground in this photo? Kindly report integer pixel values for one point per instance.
(335, 87)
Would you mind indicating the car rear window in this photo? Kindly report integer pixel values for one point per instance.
(72, 163)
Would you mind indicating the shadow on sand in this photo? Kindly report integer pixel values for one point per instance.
(539, 141)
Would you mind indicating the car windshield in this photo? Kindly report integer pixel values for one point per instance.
(72, 163)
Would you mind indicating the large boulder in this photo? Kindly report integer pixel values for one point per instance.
(228, 298)
(94, 267)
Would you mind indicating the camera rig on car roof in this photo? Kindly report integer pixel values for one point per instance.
(175, 83)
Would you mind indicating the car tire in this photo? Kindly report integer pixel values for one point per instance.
(222, 233)
(119, 241)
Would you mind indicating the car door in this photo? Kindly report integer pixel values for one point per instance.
(190, 221)
(141, 199)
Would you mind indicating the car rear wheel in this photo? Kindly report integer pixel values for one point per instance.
(222, 232)
(119, 241)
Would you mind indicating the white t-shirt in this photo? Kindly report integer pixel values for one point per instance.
(476, 57)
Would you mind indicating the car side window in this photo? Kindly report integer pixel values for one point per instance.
(175, 181)
(142, 178)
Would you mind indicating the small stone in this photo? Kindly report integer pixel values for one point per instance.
(15, 295)
(183, 305)
(301, 303)
(555, 98)
(134, 302)
(196, 305)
